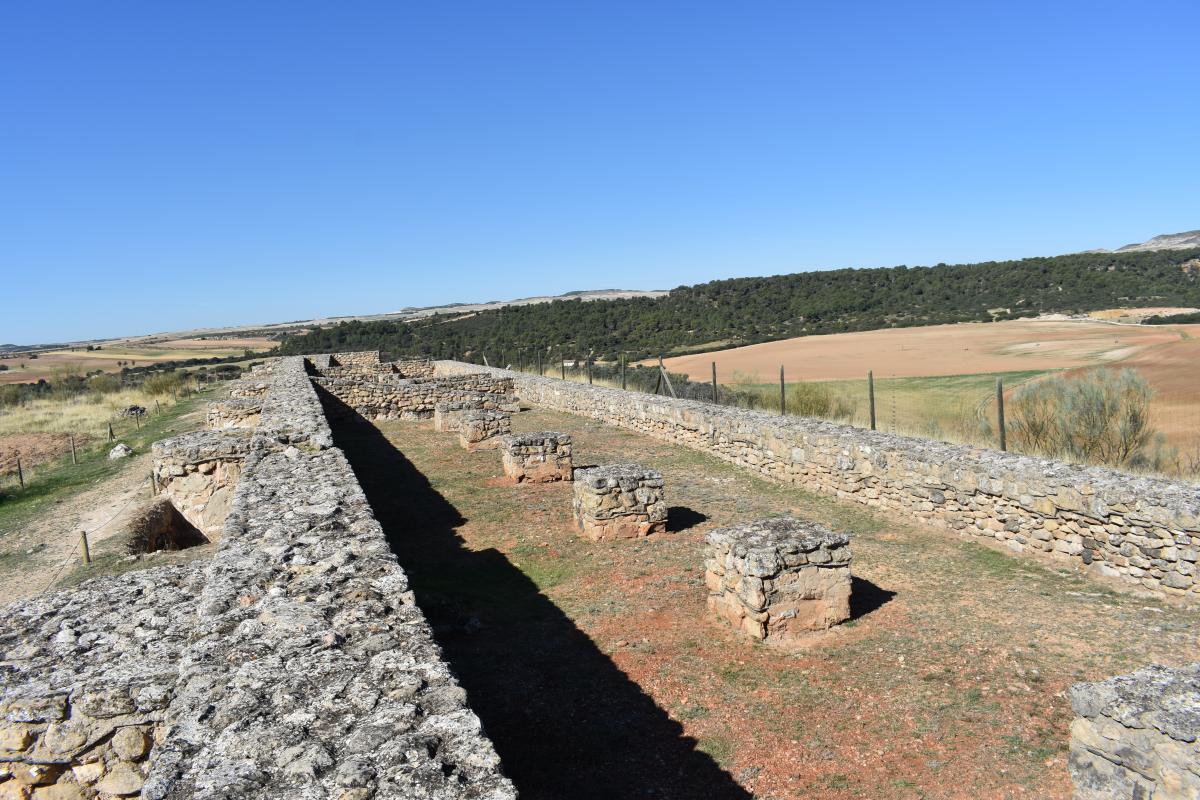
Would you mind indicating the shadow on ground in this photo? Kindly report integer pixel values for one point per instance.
(866, 597)
(565, 720)
(680, 518)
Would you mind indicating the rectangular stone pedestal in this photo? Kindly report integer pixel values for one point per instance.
(621, 501)
(537, 457)
(778, 579)
(448, 416)
(481, 430)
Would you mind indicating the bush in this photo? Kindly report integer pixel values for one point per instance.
(104, 383)
(163, 383)
(1100, 417)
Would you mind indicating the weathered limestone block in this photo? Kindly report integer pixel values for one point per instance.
(249, 387)
(537, 457)
(1135, 736)
(236, 412)
(622, 501)
(198, 473)
(482, 429)
(778, 579)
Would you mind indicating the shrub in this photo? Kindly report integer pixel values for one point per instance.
(1100, 417)
(164, 383)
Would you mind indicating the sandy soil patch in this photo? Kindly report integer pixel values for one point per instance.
(35, 448)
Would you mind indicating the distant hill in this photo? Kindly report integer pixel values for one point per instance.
(749, 310)
(1167, 241)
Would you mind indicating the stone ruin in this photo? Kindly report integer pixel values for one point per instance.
(621, 501)
(536, 457)
(296, 664)
(293, 664)
(481, 429)
(778, 580)
(198, 473)
(1135, 736)
(239, 412)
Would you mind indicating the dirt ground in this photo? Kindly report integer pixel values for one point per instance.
(964, 349)
(597, 674)
(35, 448)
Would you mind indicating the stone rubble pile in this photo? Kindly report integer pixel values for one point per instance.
(619, 501)
(778, 579)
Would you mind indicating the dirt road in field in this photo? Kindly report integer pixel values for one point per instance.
(964, 349)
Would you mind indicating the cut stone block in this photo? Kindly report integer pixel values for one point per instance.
(537, 457)
(481, 430)
(235, 412)
(778, 579)
(621, 501)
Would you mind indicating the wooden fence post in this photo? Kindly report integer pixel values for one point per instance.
(622, 372)
(782, 394)
(83, 546)
(111, 438)
(589, 363)
(74, 458)
(541, 373)
(714, 366)
(1000, 414)
(663, 377)
(20, 473)
(562, 364)
(871, 395)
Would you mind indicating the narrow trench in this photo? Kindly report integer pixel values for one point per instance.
(565, 720)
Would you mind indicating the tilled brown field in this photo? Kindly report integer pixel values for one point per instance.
(965, 349)
(597, 674)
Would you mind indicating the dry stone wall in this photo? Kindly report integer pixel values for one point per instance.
(380, 398)
(1144, 531)
(198, 472)
(294, 664)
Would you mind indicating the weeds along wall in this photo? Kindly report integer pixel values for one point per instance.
(294, 663)
(1141, 530)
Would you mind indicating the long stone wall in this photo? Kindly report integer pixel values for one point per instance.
(1142, 530)
(294, 664)
(381, 397)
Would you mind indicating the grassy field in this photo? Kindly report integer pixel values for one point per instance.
(57, 477)
(597, 674)
(955, 408)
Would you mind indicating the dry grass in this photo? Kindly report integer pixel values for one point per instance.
(87, 413)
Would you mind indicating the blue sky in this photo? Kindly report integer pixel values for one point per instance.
(169, 165)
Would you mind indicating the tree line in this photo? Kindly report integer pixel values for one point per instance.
(741, 311)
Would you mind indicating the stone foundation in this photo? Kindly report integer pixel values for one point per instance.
(198, 473)
(481, 430)
(623, 501)
(240, 412)
(777, 580)
(448, 416)
(1135, 736)
(537, 457)
(1142, 530)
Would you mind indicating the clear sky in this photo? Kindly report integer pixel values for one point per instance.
(165, 165)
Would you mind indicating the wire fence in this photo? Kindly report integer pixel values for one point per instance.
(983, 410)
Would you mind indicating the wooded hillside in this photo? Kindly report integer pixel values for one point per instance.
(748, 310)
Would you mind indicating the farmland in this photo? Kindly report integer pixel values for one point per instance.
(939, 381)
(112, 356)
